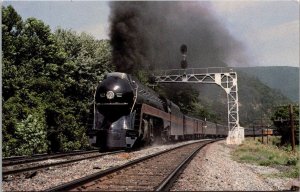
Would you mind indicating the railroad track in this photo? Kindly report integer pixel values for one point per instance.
(31, 165)
(154, 172)
(10, 161)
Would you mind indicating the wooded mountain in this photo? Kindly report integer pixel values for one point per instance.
(282, 78)
(256, 101)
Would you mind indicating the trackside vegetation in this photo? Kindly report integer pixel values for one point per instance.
(49, 79)
(254, 152)
(48, 84)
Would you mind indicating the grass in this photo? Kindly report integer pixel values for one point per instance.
(254, 152)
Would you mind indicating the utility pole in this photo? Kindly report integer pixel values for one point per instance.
(267, 135)
(262, 136)
(262, 130)
(292, 127)
(253, 133)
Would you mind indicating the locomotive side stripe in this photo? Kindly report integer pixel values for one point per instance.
(147, 109)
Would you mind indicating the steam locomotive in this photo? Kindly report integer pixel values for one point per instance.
(129, 114)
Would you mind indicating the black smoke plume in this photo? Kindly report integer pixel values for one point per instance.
(148, 35)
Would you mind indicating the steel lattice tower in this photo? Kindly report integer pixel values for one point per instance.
(224, 77)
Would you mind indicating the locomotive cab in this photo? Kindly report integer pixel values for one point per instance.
(113, 125)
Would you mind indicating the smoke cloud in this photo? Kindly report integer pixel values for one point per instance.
(148, 35)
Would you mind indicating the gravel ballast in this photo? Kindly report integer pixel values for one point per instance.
(45, 179)
(213, 170)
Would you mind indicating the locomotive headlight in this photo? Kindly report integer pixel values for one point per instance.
(110, 95)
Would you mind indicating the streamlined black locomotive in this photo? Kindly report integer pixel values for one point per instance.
(128, 114)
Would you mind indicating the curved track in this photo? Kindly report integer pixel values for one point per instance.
(153, 172)
(33, 165)
(10, 161)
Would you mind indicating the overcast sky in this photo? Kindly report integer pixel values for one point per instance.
(268, 29)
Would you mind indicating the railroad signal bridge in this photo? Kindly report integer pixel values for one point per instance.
(226, 78)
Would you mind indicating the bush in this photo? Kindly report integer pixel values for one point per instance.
(31, 135)
(287, 148)
(293, 160)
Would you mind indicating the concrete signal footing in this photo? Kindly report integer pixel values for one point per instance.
(236, 136)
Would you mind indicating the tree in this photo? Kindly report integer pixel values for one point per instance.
(202, 112)
(281, 119)
(11, 30)
(88, 59)
(31, 71)
(48, 84)
(87, 62)
(31, 135)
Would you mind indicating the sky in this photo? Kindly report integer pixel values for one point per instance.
(269, 30)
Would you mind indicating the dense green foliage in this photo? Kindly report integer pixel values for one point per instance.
(49, 79)
(48, 84)
(281, 119)
(31, 136)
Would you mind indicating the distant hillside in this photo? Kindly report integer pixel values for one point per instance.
(283, 79)
(256, 100)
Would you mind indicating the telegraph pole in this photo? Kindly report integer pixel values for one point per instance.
(262, 136)
(253, 133)
(292, 127)
(267, 135)
(262, 130)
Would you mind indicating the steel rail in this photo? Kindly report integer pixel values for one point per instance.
(42, 154)
(26, 169)
(81, 181)
(30, 159)
(171, 179)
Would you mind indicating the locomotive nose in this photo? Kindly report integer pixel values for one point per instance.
(114, 89)
(114, 96)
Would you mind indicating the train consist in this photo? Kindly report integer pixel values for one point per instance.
(250, 132)
(128, 114)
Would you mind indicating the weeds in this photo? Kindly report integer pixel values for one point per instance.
(268, 155)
